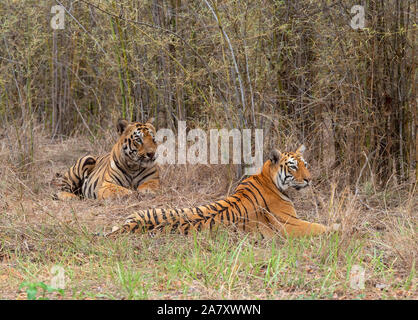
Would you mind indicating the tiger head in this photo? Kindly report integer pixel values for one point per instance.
(289, 169)
(136, 143)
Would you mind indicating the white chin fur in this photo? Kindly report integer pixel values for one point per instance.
(146, 164)
(300, 186)
(280, 185)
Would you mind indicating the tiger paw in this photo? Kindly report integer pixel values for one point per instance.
(114, 192)
(64, 196)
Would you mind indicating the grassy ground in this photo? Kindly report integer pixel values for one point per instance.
(37, 234)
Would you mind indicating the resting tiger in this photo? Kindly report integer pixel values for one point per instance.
(130, 165)
(259, 204)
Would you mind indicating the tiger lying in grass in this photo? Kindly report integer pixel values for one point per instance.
(129, 166)
(259, 204)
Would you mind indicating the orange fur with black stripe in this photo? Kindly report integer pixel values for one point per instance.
(258, 205)
(129, 166)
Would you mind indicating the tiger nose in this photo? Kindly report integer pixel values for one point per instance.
(150, 155)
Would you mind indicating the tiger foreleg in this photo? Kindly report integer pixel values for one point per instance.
(150, 186)
(64, 195)
(295, 227)
(111, 191)
(302, 228)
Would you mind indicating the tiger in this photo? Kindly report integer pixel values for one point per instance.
(131, 165)
(259, 204)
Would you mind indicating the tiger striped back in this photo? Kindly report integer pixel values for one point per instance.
(258, 205)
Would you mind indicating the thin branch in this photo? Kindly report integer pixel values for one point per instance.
(82, 27)
(84, 121)
(231, 49)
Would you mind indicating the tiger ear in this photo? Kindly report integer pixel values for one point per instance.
(275, 156)
(121, 125)
(301, 149)
(150, 122)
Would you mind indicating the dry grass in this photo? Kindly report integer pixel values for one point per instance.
(36, 233)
